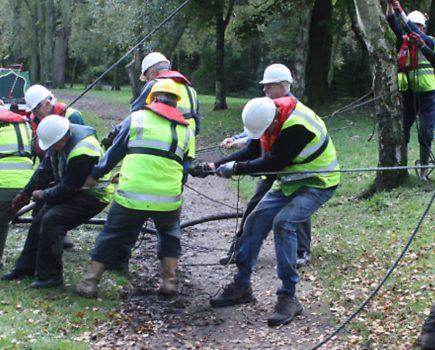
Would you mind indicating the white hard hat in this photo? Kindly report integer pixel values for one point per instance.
(276, 73)
(51, 129)
(257, 115)
(417, 17)
(35, 95)
(150, 60)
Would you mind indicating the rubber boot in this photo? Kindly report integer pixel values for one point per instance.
(168, 268)
(424, 160)
(3, 236)
(88, 285)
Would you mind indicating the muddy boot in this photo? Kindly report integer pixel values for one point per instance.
(286, 309)
(3, 236)
(231, 254)
(88, 285)
(424, 160)
(167, 275)
(427, 339)
(232, 295)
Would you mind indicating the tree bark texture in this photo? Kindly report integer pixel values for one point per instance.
(392, 149)
(222, 19)
(62, 32)
(305, 8)
(319, 53)
(431, 25)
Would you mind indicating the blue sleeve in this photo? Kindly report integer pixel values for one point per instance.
(427, 39)
(397, 29)
(140, 102)
(115, 153)
(76, 118)
(242, 135)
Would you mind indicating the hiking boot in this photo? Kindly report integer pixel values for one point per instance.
(232, 295)
(88, 285)
(303, 259)
(168, 269)
(427, 338)
(231, 254)
(286, 309)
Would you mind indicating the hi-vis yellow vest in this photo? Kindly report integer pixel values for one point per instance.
(152, 172)
(318, 155)
(90, 146)
(16, 166)
(420, 79)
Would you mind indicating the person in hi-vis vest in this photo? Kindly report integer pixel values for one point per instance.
(153, 144)
(416, 80)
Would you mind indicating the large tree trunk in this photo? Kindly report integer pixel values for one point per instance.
(133, 70)
(319, 53)
(304, 10)
(62, 32)
(222, 20)
(392, 148)
(220, 93)
(431, 26)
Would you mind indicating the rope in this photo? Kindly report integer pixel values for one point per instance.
(113, 66)
(211, 199)
(384, 279)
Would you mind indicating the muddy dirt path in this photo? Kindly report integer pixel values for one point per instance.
(145, 320)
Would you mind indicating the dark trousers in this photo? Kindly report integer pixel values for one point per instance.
(303, 228)
(122, 229)
(43, 249)
(423, 105)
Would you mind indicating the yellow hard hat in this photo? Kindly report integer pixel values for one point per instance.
(167, 86)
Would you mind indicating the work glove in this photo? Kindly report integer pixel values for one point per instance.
(201, 170)
(106, 142)
(416, 39)
(20, 200)
(397, 7)
(226, 170)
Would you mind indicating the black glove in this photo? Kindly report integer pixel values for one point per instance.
(106, 142)
(226, 170)
(202, 170)
(20, 200)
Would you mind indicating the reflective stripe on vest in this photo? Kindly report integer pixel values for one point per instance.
(307, 151)
(143, 197)
(146, 146)
(317, 155)
(16, 166)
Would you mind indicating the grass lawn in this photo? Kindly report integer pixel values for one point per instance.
(354, 243)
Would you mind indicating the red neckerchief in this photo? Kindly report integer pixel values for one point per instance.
(286, 106)
(167, 112)
(174, 75)
(11, 117)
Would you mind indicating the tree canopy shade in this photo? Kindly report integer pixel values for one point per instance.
(222, 45)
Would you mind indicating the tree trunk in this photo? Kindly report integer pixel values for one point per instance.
(133, 70)
(220, 93)
(62, 33)
(431, 26)
(392, 148)
(304, 9)
(319, 53)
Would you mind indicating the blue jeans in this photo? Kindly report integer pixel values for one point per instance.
(122, 229)
(282, 214)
